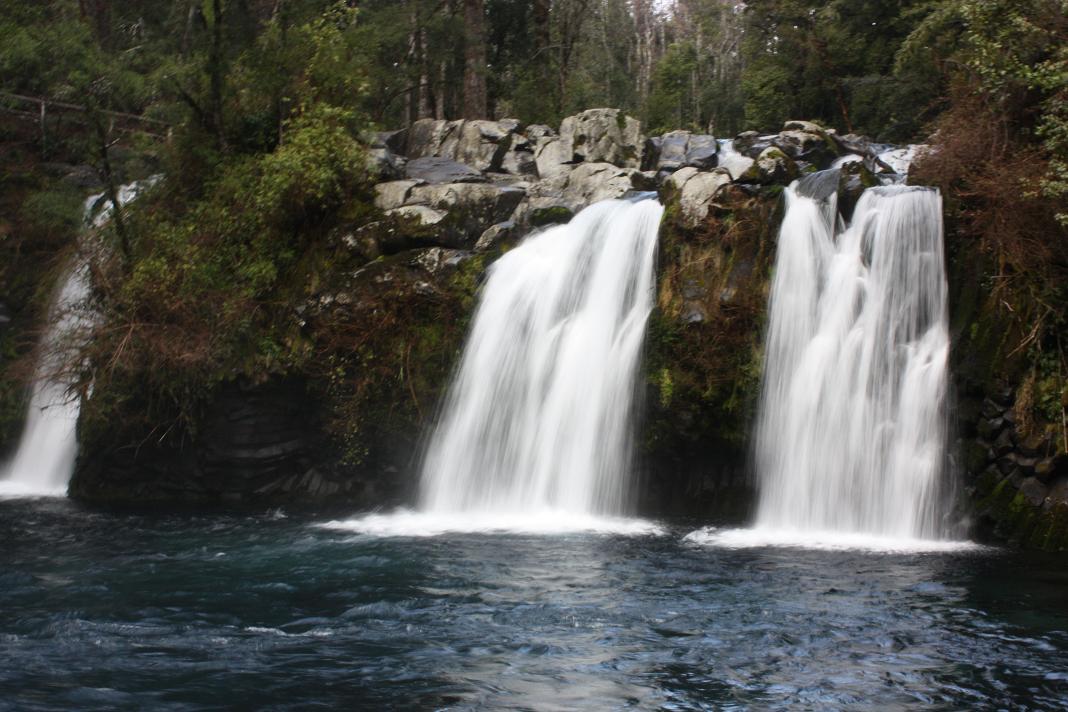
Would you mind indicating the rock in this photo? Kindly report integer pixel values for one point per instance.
(1003, 445)
(421, 214)
(469, 207)
(394, 194)
(384, 164)
(494, 235)
(853, 143)
(991, 409)
(603, 136)
(673, 148)
(751, 144)
(432, 169)
(591, 182)
(1007, 463)
(1034, 491)
(702, 152)
(678, 179)
(480, 144)
(810, 143)
(483, 144)
(805, 126)
(735, 163)
(821, 185)
(83, 177)
(519, 163)
(438, 259)
(551, 157)
(772, 167)
(1057, 495)
(424, 138)
(541, 216)
(989, 428)
(5, 316)
(697, 194)
(676, 149)
(538, 131)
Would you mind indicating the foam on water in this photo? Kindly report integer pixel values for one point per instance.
(411, 523)
(760, 538)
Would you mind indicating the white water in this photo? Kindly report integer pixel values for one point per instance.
(539, 415)
(44, 461)
(851, 434)
(735, 163)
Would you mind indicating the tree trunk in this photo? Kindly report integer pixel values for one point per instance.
(475, 105)
(215, 71)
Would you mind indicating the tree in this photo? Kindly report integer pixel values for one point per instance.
(474, 60)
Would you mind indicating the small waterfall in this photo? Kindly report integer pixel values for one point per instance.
(852, 434)
(43, 463)
(538, 417)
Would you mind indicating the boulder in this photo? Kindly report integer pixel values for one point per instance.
(1034, 491)
(697, 189)
(480, 144)
(772, 167)
(495, 235)
(394, 194)
(432, 169)
(519, 162)
(676, 149)
(806, 141)
(384, 164)
(470, 208)
(422, 215)
(551, 157)
(591, 182)
(751, 143)
(603, 136)
(436, 260)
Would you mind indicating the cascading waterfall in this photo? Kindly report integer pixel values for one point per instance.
(43, 463)
(538, 417)
(852, 428)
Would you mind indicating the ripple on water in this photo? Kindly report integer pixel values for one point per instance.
(296, 615)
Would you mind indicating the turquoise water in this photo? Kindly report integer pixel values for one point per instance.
(125, 611)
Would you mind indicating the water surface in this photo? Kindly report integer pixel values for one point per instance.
(106, 611)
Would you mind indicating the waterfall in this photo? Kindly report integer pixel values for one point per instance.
(851, 434)
(44, 461)
(539, 414)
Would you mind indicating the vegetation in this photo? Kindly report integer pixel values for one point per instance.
(257, 112)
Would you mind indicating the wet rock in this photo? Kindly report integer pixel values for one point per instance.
(751, 143)
(1003, 444)
(441, 170)
(772, 167)
(990, 428)
(991, 409)
(1034, 491)
(1057, 495)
